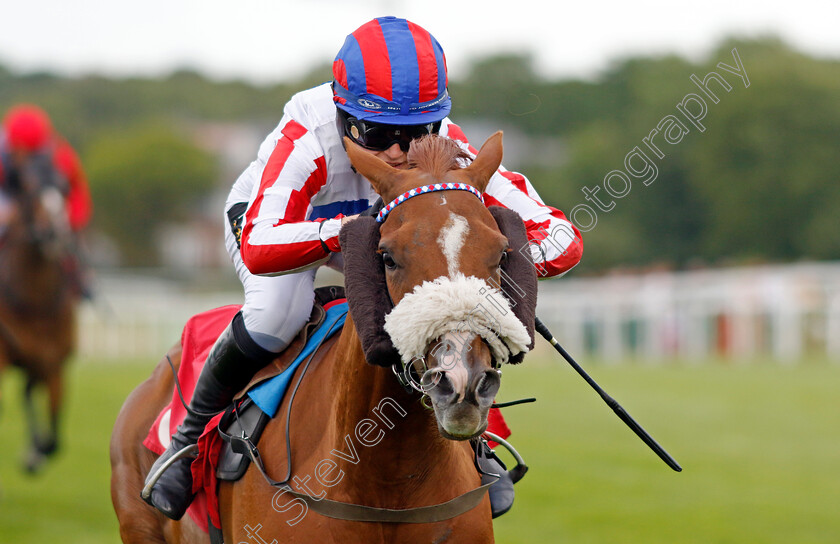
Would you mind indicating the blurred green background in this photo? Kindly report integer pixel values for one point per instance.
(758, 185)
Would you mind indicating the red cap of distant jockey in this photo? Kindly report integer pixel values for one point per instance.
(27, 128)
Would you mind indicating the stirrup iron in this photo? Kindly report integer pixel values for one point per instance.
(188, 451)
(517, 472)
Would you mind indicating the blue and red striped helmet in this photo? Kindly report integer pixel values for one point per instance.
(392, 71)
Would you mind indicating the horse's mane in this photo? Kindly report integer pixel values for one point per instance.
(436, 155)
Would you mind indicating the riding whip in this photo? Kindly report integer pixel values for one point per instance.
(611, 402)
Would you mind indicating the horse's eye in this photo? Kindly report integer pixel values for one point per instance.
(504, 257)
(390, 264)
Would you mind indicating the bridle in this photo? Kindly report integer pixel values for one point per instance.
(407, 374)
(356, 512)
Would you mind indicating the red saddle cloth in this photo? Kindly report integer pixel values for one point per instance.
(198, 336)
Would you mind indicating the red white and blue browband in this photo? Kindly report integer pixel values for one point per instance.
(426, 189)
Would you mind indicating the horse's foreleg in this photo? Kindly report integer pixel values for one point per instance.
(42, 443)
(2, 370)
(33, 459)
(55, 389)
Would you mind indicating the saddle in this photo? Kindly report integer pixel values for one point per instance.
(243, 422)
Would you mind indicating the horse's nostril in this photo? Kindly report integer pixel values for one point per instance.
(488, 384)
(436, 379)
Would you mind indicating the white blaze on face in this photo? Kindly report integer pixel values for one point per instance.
(451, 355)
(451, 241)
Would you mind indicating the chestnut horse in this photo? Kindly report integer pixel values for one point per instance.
(37, 302)
(371, 459)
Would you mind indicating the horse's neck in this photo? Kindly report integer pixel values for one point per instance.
(36, 266)
(29, 277)
(395, 436)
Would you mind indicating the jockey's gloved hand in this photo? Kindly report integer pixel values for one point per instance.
(373, 210)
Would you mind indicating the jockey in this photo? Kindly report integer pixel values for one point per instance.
(28, 141)
(286, 209)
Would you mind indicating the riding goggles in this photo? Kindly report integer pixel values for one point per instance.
(379, 137)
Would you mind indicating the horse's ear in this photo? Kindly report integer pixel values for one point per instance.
(379, 173)
(486, 163)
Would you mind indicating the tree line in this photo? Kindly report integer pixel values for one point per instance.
(655, 158)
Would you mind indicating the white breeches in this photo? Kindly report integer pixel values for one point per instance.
(276, 307)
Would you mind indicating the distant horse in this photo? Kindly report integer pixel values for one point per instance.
(37, 302)
(371, 460)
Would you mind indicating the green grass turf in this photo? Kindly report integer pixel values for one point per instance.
(69, 500)
(759, 444)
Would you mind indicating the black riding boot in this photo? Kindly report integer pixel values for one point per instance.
(231, 364)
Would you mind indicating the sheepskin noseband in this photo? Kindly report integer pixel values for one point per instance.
(463, 304)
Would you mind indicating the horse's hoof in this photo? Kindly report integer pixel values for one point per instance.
(34, 461)
(46, 447)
